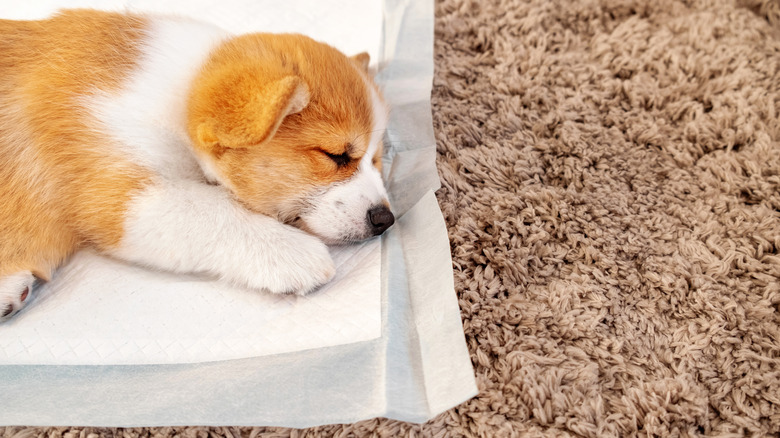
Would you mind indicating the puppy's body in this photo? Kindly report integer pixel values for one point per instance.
(169, 143)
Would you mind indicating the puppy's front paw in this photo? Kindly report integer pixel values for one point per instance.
(299, 263)
(15, 289)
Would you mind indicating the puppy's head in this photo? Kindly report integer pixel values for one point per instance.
(294, 129)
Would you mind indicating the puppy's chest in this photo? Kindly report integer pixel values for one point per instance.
(146, 118)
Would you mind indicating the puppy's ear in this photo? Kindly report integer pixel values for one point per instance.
(241, 110)
(362, 60)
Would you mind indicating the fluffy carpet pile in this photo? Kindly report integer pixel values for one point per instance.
(611, 185)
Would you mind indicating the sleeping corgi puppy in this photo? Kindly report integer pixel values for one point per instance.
(172, 144)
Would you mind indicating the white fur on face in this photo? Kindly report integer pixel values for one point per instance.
(340, 214)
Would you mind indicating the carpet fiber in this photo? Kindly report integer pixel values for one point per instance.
(611, 179)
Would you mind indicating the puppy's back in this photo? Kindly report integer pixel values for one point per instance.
(61, 182)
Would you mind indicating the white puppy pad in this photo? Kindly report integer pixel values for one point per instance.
(416, 367)
(99, 311)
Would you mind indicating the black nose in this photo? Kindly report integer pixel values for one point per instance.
(380, 218)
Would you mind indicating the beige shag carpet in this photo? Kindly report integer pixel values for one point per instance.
(611, 178)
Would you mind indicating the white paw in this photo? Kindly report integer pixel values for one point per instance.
(15, 291)
(296, 263)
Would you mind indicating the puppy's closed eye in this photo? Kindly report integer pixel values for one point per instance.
(341, 160)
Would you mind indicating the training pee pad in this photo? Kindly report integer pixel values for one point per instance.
(110, 344)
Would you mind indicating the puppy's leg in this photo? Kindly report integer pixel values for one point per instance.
(33, 242)
(14, 291)
(194, 227)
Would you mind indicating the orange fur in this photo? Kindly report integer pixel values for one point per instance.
(60, 186)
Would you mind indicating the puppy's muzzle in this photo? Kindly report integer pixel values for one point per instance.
(379, 219)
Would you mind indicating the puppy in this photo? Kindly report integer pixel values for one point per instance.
(171, 144)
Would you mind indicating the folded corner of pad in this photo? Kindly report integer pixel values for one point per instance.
(444, 360)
